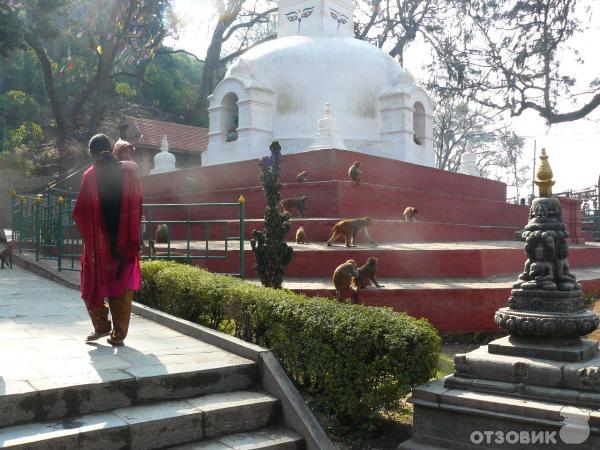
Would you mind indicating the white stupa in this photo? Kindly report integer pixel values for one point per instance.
(328, 135)
(277, 91)
(164, 161)
(468, 163)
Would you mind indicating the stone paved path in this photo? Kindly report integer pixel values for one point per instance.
(42, 330)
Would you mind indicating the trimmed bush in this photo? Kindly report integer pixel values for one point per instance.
(354, 361)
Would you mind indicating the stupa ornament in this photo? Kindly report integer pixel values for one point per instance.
(546, 300)
(164, 161)
(468, 162)
(328, 136)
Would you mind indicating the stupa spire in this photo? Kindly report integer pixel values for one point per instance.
(544, 176)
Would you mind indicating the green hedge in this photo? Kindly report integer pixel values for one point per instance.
(354, 361)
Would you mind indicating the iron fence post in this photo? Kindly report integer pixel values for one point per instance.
(36, 226)
(59, 231)
(242, 201)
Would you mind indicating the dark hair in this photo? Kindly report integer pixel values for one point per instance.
(99, 143)
(109, 179)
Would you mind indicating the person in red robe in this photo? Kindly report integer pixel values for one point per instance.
(108, 212)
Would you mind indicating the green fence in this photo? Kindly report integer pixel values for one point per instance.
(591, 223)
(44, 224)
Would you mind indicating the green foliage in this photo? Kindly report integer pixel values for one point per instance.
(270, 250)
(354, 361)
(17, 107)
(125, 91)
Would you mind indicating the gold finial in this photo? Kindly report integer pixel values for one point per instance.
(61, 200)
(13, 193)
(38, 199)
(22, 199)
(242, 200)
(544, 176)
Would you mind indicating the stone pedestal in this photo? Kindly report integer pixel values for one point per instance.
(539, 387)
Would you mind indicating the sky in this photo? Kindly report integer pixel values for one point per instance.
(574, 147)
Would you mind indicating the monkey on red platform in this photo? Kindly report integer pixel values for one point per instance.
(355, 172)
(301, 236)
(302, 177)
(349, 228)
(410, 214)
(342, 278)
(366, 274)
(294, 203)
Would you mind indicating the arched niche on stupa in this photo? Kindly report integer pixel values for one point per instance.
(240, 121)
(418, 123)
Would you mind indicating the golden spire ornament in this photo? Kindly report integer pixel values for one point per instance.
(544, 176)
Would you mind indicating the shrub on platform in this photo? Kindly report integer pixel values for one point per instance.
(354, 361)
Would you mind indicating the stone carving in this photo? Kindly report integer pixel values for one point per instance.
(461, 364)
(546, 299)
(520, 370)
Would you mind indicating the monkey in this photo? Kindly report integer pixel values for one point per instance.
(6, 256)
(289, 203)
(354, 172)
(342, 278)
(3, 239)
(366, 274)
(301, 236)
(350, 229)
(410, 214)
(302, 177)
(162, 234)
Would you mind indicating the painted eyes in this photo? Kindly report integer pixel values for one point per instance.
(300, 14)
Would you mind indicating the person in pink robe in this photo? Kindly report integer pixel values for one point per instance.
(108, 212)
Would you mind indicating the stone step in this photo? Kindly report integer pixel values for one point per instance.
(264, 439)
(149, 426)
(122, 379)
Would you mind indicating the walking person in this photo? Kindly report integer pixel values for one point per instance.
(108, 214)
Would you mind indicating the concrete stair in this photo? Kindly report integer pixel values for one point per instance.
(152, 426)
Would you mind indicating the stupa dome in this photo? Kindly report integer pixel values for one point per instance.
(278, 91)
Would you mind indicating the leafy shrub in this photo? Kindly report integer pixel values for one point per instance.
(125, 91)
(354, 361)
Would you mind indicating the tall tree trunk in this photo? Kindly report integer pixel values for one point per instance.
(62, 125)
(102, 91)
(212, 63)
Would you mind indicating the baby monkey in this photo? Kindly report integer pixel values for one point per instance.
(301, 236)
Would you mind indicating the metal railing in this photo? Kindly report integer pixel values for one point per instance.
(45, 225)
(591, 223)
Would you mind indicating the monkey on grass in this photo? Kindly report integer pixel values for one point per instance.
(342, 279)
(298, 203)
(350, 228)
(355, 173)
(410, 214)
(302, 177)
(366, 274)
(6, 256)
(301, 236)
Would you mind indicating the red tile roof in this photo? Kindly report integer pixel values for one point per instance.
(180, 137)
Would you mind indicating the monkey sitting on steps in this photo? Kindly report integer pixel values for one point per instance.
(342, 278)
(410, 214)
(162, 234)
(355, 172)
(301, 236)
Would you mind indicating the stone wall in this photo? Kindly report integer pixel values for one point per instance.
(11, 179)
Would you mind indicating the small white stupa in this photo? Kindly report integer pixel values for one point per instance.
(468, 163)
(328, 136)
(164, 161)
(276, 90)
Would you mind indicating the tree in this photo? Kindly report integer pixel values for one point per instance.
(107, 31)
(506, 55)
(243, 23)
(393, 25)
(459, 126)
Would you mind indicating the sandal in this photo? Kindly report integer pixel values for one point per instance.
(95, 336)
(115, 343)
